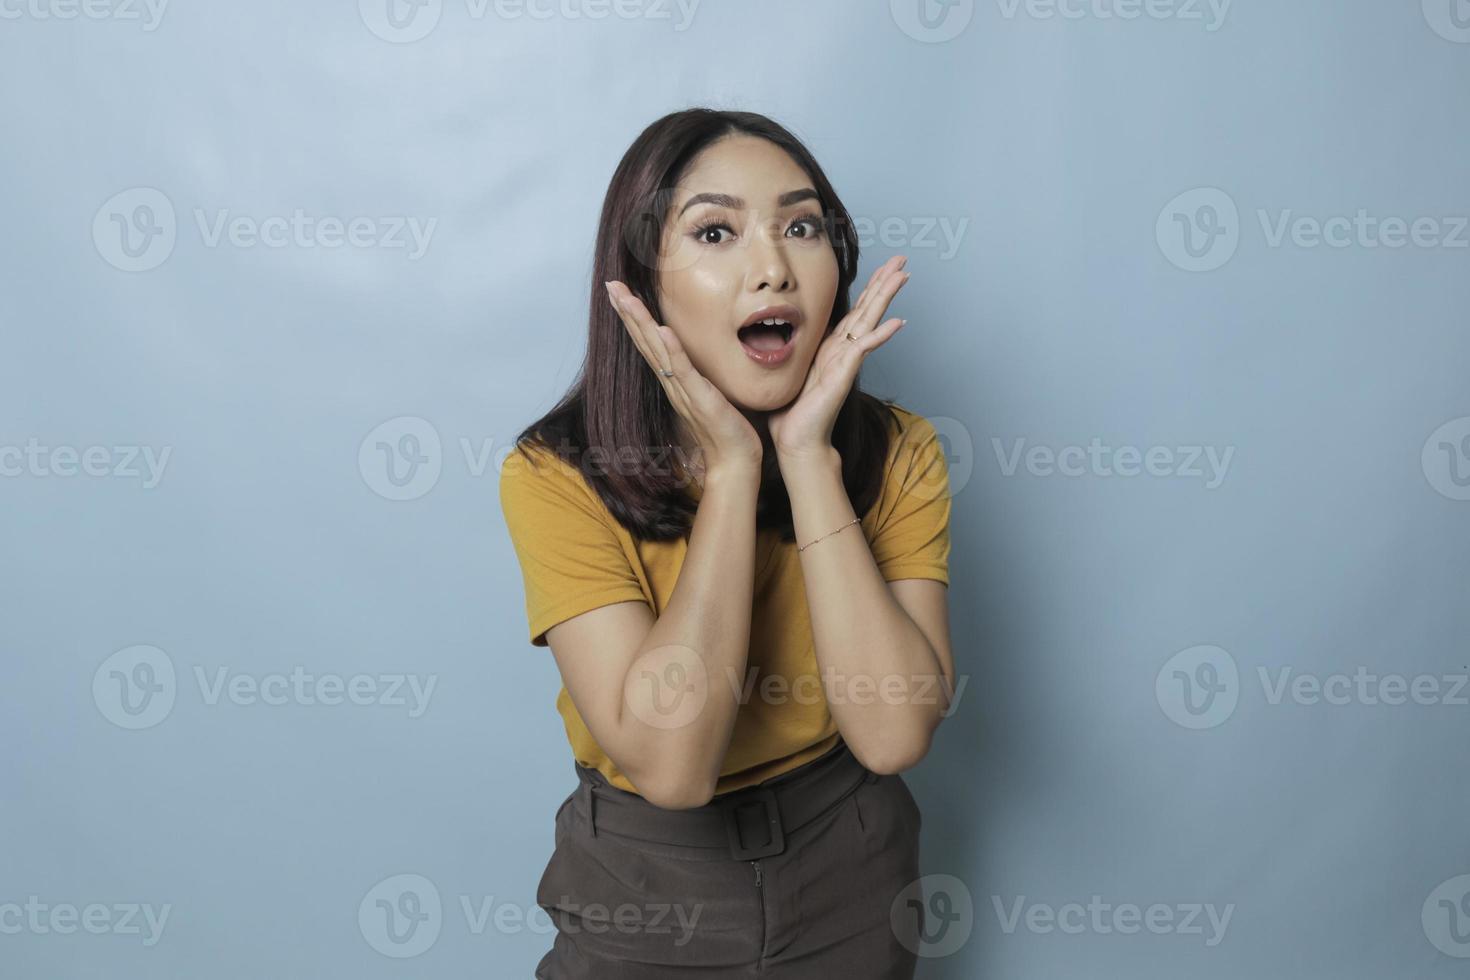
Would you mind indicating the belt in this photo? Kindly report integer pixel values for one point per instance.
(752, 822)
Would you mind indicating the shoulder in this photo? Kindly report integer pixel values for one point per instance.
(536, 479)
(910, 435)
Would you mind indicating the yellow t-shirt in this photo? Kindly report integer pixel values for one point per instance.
(575, 556)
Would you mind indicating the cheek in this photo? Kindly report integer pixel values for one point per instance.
(699, 301)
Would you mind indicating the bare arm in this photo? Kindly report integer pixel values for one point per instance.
(888, 679)
(654, 692)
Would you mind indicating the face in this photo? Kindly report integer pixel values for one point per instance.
(760, 243)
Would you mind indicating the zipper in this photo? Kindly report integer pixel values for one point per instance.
(761, 905)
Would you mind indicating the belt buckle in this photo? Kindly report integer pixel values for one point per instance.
(761, 796)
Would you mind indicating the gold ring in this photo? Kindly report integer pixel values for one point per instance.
(851, 337)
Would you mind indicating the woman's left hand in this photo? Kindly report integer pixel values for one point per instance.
(805, 426)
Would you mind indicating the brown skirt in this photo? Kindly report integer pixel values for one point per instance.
(631, 904)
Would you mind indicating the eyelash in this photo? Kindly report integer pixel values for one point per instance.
(701, 230)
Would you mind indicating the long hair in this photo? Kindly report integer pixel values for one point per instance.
(616, 402)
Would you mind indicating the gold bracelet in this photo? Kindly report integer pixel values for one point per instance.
(827, 535)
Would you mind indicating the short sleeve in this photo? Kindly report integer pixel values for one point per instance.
(571, 558)
(912, 536)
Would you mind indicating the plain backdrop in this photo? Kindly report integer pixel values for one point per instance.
(1188, 306)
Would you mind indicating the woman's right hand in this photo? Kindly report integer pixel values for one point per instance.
(725, 436)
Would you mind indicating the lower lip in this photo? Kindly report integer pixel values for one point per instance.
(770, 358)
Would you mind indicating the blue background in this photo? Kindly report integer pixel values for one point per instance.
(1070, 153)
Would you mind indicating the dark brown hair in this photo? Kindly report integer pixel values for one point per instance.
(617, 403)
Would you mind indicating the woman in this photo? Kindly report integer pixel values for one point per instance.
(747, 662)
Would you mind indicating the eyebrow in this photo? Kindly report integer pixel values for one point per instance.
(738, 204)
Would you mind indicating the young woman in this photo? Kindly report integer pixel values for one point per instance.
(740, 563)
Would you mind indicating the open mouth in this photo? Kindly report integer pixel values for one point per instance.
(767, 335)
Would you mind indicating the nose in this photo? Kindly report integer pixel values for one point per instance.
(769, 264)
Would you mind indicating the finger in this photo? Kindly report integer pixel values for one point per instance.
(658, 345)
(871, 341)
(878, 296)
(864, 318)
(636, 318)
(894, 262)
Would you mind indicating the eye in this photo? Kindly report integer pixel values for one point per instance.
(704, 229)
(813, 222)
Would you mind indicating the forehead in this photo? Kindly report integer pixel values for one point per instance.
(747, 167)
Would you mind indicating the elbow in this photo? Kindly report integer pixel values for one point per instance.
(889, 757)
(680, 792)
